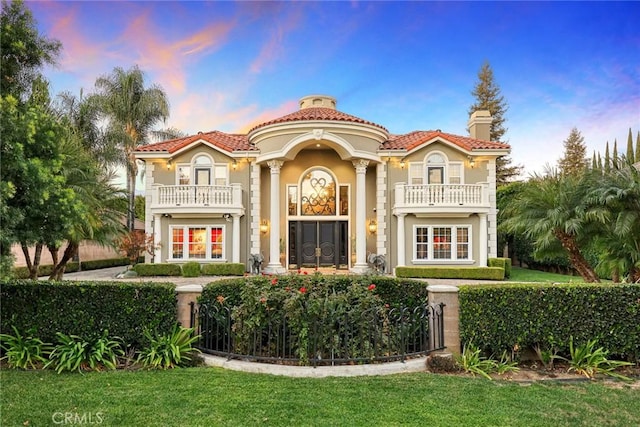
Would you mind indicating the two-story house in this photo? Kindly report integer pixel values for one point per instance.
(322, 188)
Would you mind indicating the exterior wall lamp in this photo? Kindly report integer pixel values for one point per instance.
(472, 162)
(402, 164)
(168, 164)
(264, 226)
(373, 226)
(234, 165)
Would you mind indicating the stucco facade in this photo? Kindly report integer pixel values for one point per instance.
(320, 187)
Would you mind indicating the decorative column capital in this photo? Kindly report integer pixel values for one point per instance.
(275, 165)
(361, 165)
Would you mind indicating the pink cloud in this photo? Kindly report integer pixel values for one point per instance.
(274, 47)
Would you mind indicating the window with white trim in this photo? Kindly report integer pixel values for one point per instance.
(197, 242)
(202, 171)
(436, 169)
(455, 173)
(442, 243)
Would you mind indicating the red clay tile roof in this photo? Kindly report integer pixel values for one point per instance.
(318, 113)
(226, 141)
(414, 139)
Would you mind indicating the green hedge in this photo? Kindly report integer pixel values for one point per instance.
(158, 269)
(478, 273)
(43, 270)
(72, 267)
(228, 269)
(503, 263)
(191, 269)
(395, 291)
(86, 308)
(104, 263)
(495, 318)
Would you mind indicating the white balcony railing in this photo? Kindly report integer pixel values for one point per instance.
(197, 196)
(442, 195)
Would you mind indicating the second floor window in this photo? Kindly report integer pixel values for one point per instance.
(202, 171)
(436, 169)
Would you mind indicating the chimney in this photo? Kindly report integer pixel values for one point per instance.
(480, 125)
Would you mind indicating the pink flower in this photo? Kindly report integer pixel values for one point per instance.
(263, 300)
(274, 281)
(303, 290)
(306, 272)
(371, 287)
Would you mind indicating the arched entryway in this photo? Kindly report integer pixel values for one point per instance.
(318, 220)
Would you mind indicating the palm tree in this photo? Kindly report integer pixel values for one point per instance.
(618, 193)
(550, 210)
(132, 111)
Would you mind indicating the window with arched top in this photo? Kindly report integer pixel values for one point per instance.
(318, 193)
(202, 171)
(436, 169)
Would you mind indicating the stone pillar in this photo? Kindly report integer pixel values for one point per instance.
(401, 241)
(235, 252)
(449, 296)
(186, 294)
(484, 242)
(274, 266)
(361, 217)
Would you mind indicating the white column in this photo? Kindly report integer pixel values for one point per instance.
(157, 238)
(235, 250)
(274, 266)
(361, 217)
(483, 233)
(401, 241)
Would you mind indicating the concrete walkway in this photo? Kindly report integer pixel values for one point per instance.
(111, 273)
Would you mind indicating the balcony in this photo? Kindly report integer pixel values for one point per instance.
(441, 198)
(197, 199)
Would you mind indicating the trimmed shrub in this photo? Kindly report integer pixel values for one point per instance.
(476, 273)
(158, 269)
(87, 308)
(191, 269)
(43, 270)
(394, 291)
(228, 269)
(503, 263)
(496, 318)
(103, 263)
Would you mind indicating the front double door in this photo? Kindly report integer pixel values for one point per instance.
(318, 244)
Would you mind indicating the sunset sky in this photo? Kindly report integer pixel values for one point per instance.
(405, 65)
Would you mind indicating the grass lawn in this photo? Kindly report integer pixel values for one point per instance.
(216, 397)
(519, 274)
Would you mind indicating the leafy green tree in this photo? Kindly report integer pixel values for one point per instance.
(614, 154)
(488, 96)
(132, 110)
(551, 212)
(594, 161)
(617, 195)
(637, 156)
(574, 160)
(607, 159)
(23, 51)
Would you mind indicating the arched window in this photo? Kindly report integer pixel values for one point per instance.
(436, 165)
(202, 171)
(318, 193)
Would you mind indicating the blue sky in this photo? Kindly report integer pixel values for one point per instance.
(405, 65)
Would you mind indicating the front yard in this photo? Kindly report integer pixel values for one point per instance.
(212, 396)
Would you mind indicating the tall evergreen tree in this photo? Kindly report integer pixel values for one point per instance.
(630, 153)
(488, 96)
(614, 154)
(600, 163)
(638, 147)
(607, 158)
(594, 161)
(574, 160)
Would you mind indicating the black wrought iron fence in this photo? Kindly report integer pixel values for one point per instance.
(375, 336)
